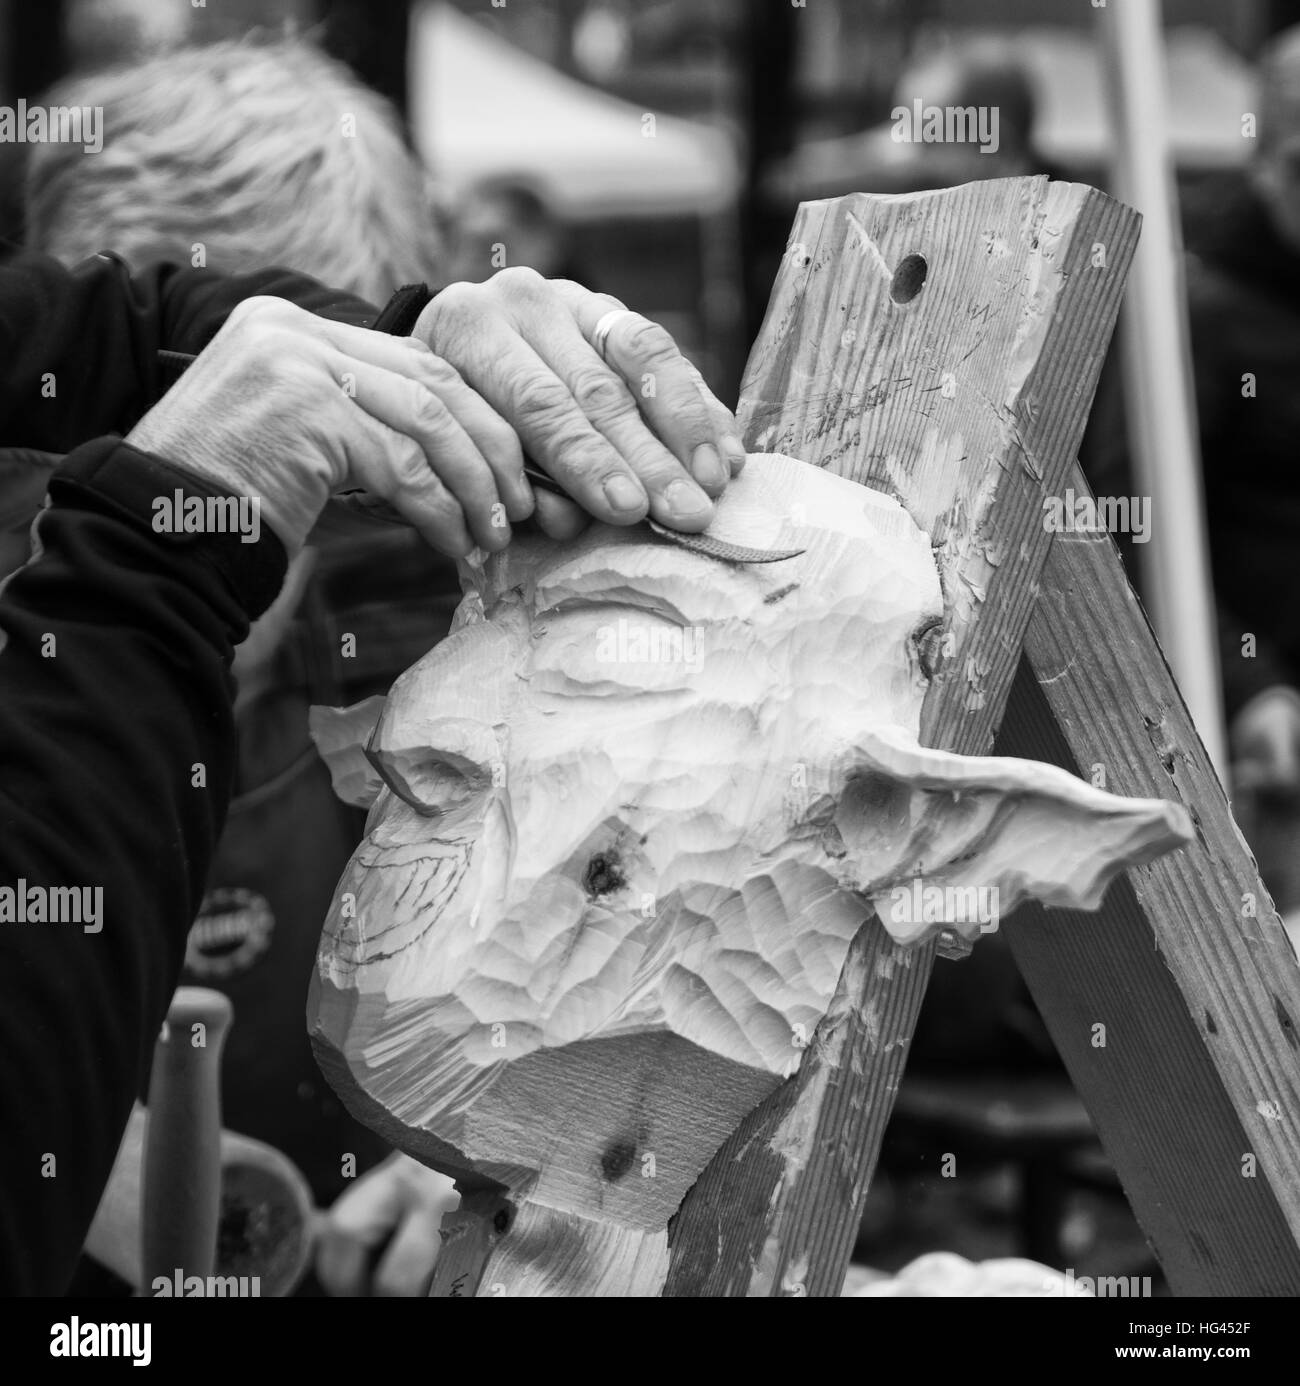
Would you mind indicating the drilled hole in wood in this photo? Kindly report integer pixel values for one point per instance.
(909, 278)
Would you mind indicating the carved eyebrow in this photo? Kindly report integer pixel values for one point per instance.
(648, 602)
(395, 784)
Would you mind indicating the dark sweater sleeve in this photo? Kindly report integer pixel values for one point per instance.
(117, 744)
(1212, 303)
(80, 346)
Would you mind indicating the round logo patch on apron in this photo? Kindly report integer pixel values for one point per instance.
(232, 930)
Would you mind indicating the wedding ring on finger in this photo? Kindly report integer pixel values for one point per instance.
(600, 333)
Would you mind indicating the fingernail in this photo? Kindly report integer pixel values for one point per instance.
(707, 467)
(624, 494)
(687, 501)
(735, 453)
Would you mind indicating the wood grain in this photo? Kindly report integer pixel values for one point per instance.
(966, 402)
(1187, 965)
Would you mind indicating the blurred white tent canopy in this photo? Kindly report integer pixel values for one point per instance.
(482, 109)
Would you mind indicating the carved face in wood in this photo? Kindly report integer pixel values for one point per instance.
(633, 811)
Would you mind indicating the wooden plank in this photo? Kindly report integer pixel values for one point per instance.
(966, 402)
(1186, 966)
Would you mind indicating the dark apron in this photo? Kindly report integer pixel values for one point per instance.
(287, 840)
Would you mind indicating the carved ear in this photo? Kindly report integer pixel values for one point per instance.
(915, 819)
(341, 735)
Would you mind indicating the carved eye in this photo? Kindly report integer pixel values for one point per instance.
(453, 767)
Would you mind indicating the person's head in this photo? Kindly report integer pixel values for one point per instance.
(505, 222)
(996, 94)
(239, 156)
(1275, 170)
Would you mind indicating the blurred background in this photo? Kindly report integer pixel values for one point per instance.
(657, 151)
(539, 109)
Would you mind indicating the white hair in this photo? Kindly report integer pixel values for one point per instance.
(239, 155)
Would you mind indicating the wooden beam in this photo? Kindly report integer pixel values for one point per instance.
(966, 400)
(1194, 1082)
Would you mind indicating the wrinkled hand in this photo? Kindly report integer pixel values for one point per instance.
(289, 408)
(637, 431)
(399, 1201)
(1265, 738)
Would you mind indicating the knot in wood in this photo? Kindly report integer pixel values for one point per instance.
(604, 874)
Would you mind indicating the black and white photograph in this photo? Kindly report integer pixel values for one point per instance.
(649, 649)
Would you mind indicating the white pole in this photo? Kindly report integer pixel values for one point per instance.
(1157, 377)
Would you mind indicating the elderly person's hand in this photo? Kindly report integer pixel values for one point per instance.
(618, 416)
(290, 408)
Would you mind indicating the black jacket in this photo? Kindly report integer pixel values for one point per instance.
(114, 683)
(1243, 289)
(1244, 295)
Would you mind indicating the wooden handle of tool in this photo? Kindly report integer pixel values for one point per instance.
(182, 1152)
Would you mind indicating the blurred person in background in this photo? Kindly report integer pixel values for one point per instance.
(234, 156)
(1242, 235)
(1244, 297)
(981, 78)
(997, 95)
(501, 221)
